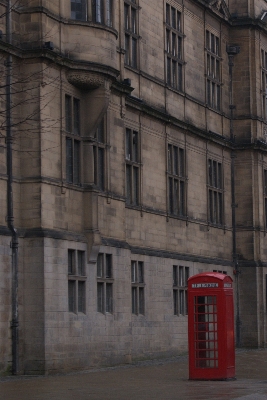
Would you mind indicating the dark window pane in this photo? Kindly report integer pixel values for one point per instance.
(169, 158)
(109, 297)
(141, 300)
(76, 115)
(100, 297)
(173, 16)
(128, 147)
(126, 16)
(76, 162)
(180, 77)
(140, 272)
(78, 9)
(68, 112)
(81, 260)
(81, 296)
(175, 160)
(128, 184)
(133, 271)
(135, 147)
(168, 19)
(175, 275)
(71, 261)
(127, 50)
(100, 167)
(175, 196)
(169, 75)
(135, 188)
(134, 53)
(109, 12)
(134, 300)
(108, 266)
(179, 47)
(69, 161)
(170, 196)
(181, 198)
(133, 17)
(71, 295)
(175, 302)
(100, 265)
(181, 162)
(98, 11)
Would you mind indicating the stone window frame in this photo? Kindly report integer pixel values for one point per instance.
(138, 287)
(73, 139)
(132, 166)
(180, 275)
(105, 283)
(213, 71)
(97, 11)
(264, 82)
(99, 155)
(76, 281)
(176, 180)
(131, 36)
(215, 187)
(174, 47)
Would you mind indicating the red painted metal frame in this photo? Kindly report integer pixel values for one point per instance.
(211, 327)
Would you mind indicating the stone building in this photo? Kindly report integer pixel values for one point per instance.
(137, 131)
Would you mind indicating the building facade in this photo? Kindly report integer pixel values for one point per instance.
(138, 135)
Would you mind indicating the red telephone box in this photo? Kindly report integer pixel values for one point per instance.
(211, 327)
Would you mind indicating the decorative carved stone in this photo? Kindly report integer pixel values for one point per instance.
(85, 80)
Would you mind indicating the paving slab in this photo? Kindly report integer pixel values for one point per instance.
(148, 380)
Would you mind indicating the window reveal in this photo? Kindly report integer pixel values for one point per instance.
(104, 283)
(138, 287)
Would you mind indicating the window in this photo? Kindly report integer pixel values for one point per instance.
(138, 287)
(176, 180)
(173, 48)
(131, 34)
(72, 128)
(102, 11)
(215, 190)
(264, 82)
(104, 283)
(78, 10)
(265, 195)
(99, 156)
(180, 277)
(132, 167)
(76, 281)
(213, 73)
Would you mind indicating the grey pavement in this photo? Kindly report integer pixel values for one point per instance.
(150, 380)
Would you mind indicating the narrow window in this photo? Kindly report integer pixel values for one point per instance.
(215, 192)
(131, 34)
(173, 49)
(104, 283)
(180, 277)
(138, 287)
(264, 83)
(213, 66)
(176, 180)
(132, 179)
(76, 281)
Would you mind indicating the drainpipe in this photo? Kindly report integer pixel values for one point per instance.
(10, 214)
(232, 51)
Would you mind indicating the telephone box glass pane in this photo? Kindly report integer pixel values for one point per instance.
(206, 331)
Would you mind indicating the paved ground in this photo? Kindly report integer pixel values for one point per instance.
(153, 380)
